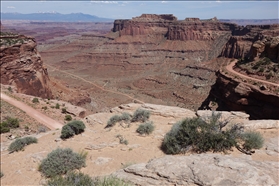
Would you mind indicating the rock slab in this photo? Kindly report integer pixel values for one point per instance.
(201, 169)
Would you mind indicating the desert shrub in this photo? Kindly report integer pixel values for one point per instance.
(12, 122)
(20, 143)
(122, 140)
(261, 69)
(125, 117)
(68, 117)
(113, 120)
(140, 115)
(71, 179)
(10, 89)
(252, 140)
(57, 106)
(146, 128)
(1, 174)
(45, 107)
(202, 135)
(63, 110)
(35, 100)
(77, 126)
(61, 161)
(72, 128)
(67, 132)
(110, 181)
(9, 123)
(4, 127)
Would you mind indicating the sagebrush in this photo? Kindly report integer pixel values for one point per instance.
(141, 115)
(146, 128)
(72, 128)
(125, 117)
(61, 161)
(202, 135)
(20, 143)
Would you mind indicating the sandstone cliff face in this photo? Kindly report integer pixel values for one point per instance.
(232, 94)
(21, 66)
(252, 42)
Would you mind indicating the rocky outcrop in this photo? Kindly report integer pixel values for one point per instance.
(252, 42)
(202, 169)
(22, 66)
(172, 29)
(232, 94)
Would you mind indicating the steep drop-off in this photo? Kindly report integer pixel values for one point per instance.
(22, 66)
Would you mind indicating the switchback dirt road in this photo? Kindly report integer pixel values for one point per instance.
(230, 69)
(40, 117)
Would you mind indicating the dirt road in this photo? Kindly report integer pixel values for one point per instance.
(94, 84)
(230, 69)
(40, 117)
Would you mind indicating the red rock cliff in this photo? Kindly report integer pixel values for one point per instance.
(253, 41)
(21, 65)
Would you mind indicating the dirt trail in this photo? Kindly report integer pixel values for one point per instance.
(40, 117)
(230, 69)
(98, 86)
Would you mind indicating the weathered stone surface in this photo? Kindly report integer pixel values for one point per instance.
(203, 169)
(21, 66)
(261, 124)
(224, 114)
(161, 110)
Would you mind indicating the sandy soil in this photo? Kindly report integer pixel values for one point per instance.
(105, 153)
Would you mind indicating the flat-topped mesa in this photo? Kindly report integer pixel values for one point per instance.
(169, 17)
(168, 26)
(193, 19)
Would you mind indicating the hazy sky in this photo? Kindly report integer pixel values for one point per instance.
(128, 9)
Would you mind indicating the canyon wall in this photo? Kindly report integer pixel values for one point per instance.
(253, 42)
(233, 94)
(22, 66)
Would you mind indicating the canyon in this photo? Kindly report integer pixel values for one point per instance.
(175, 69)
(151, 58)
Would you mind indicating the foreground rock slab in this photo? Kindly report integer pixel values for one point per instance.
(202, 169)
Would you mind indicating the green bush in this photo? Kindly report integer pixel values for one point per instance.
(72, 128)
(77, 126)
(110, 181)
(125, 117)
(57, 106)
(140, 115)
(146, 128)
(68, 117)
(61, 161)
(67, 132)
(1, 174)
(71, 179)
(252, 140)
(35, 100)
(202, 135)
(112, 121)
(64, 111)
(20, 143)
(4, 127)
(9, 123)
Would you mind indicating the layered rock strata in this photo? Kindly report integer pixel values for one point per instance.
(22, 66)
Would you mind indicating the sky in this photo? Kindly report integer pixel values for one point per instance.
(128, 9)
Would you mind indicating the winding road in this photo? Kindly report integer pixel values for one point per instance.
(230, 69)
(40, 117)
